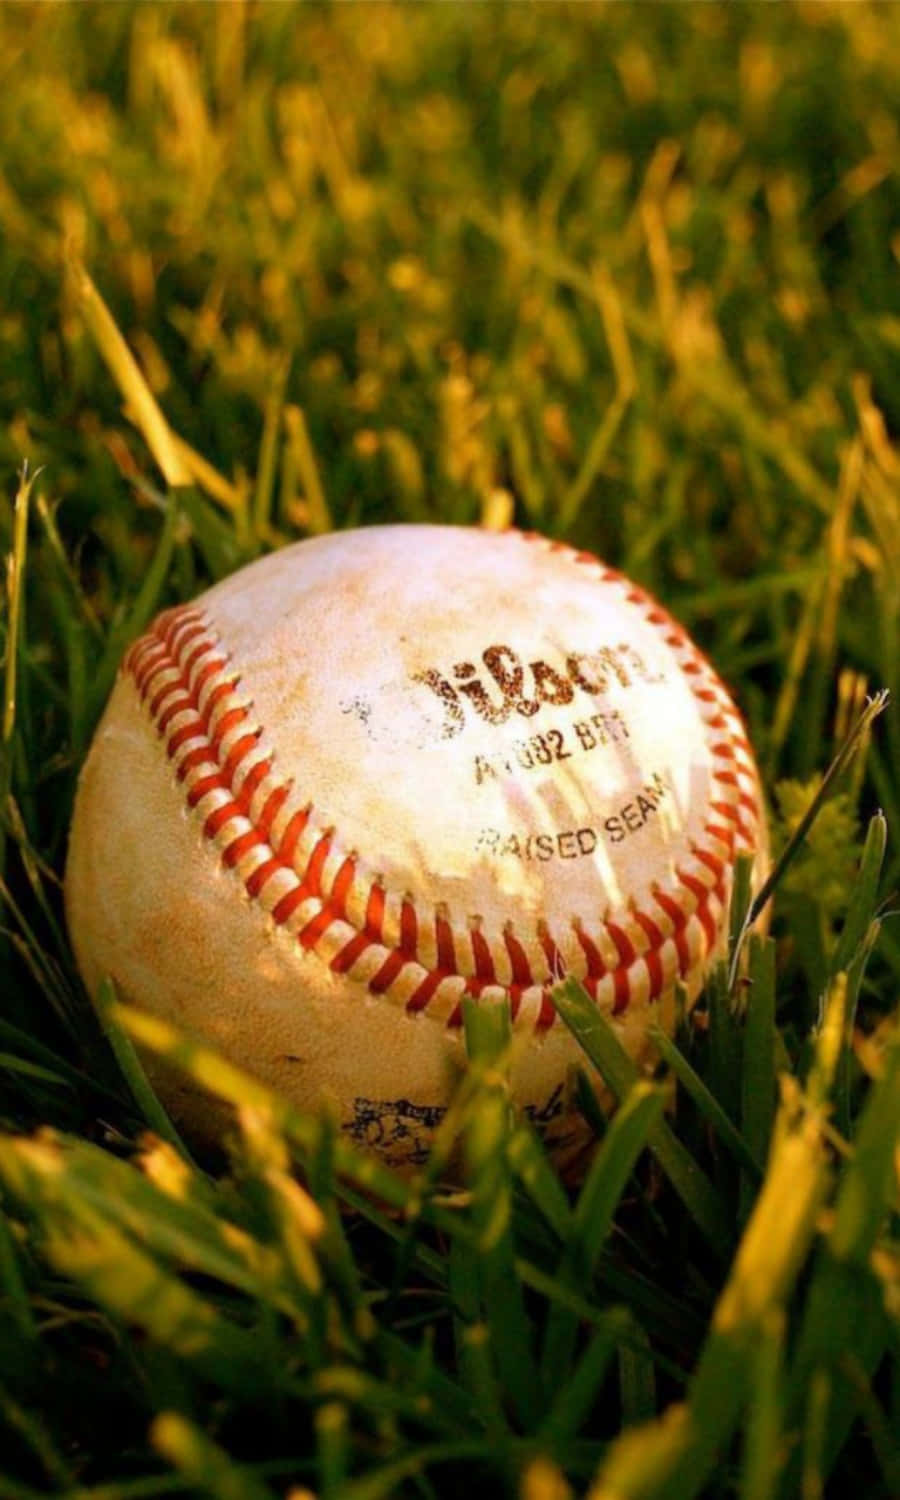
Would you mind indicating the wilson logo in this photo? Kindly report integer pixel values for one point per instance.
(510, 686)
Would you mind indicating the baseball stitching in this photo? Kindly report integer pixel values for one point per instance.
(332, 904)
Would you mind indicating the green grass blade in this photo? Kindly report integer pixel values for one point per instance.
(35, 1435)
(842, 1314)
(179, 1226)
(268, 449)
(605, 1051)
(763, 1438)
(30, 1046)
(707, 1104)
(607, 1178)
(12, 1283)
(637, 1382)
(487, 1132)
(381, 1482)
(132, 1069)
(331, 1447)
(205, 1465)
(473, 1356)
(672, 1458)
(13, 1064)
(628, 1135)
(571, 1401)
(117, 1274)
(863, 896)
(530, 1163)
(144, 607)
(426, 1378)
(857, 735)
(724, 1036)
(15, 606)
(866, 1186)
(758, 1091)
(741, 897)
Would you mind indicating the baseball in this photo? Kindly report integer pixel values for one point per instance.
(384, 769)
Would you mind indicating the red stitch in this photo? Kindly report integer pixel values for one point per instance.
(711, 861)
(374, 924)
(153, 662)
(728, 777)
(425, 991)
(648, 926)
(678, 917)
(596, 966)
(621, 990)
(250, 785)
(484, 963)
(547, 1013)
(388, 972)
(181, 736)
(219, 817)
(258, 877)
(239, 750)
(409, 929)
(190, 633)
(177, 706)
(292, 833)
(199, 756)
(623, 943)
(288, 904)
(271, 808)
(343, 882)
(312, 878)
(224, 690)
(241, 846)
(702, 912)
(205, 784)
(521, 968)
(446, 952)
(654, 969)
(149, 679)
(344, 961)
(132, 654)
(202, 649)
(178, 685)
(229, 720)
(552, 954)
(620, 975)
(201, 678)
(318, 926)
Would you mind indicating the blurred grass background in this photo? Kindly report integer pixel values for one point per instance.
(625, 274)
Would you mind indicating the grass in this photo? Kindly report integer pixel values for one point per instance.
(624, 274)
